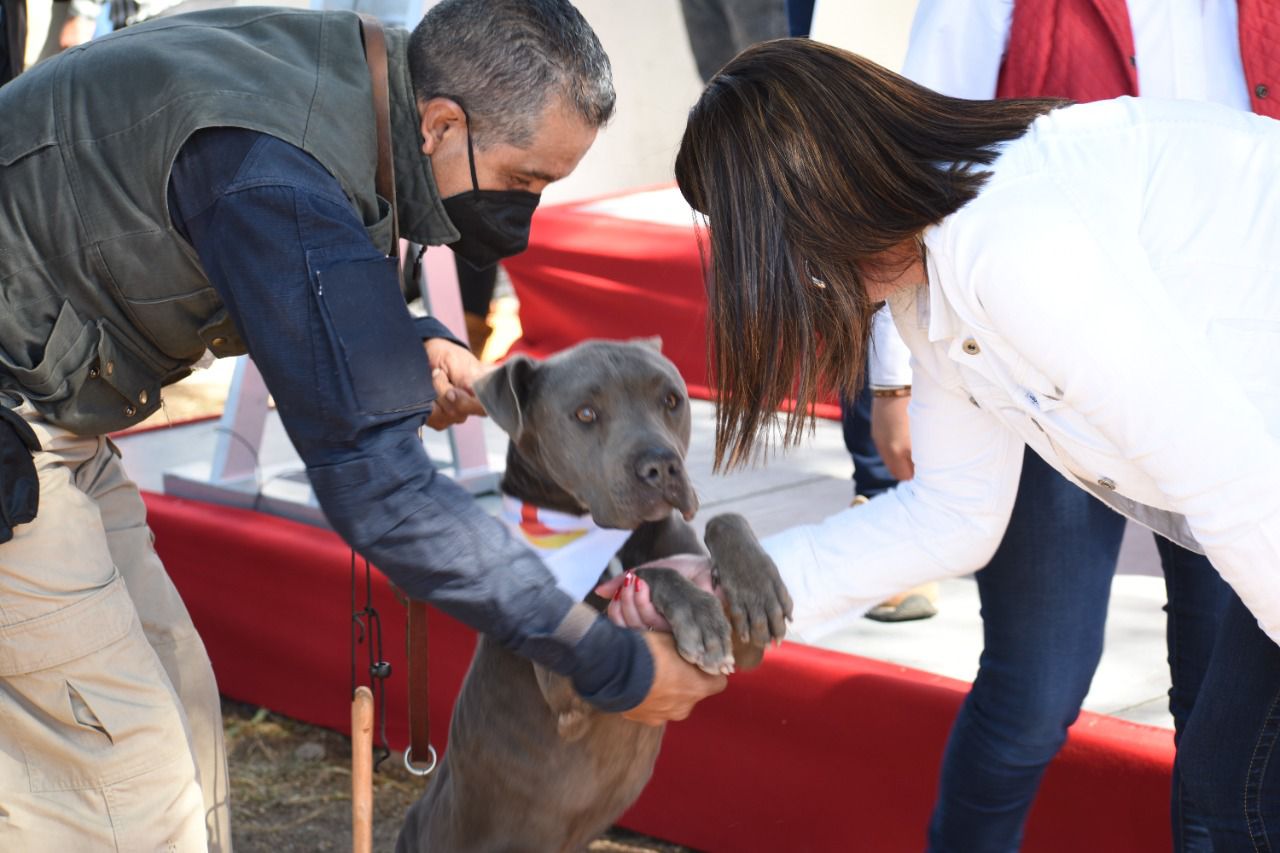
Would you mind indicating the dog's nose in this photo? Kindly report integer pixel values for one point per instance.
(659, 467)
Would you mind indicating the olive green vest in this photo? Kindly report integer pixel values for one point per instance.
(101, 301)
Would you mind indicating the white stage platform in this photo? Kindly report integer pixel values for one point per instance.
(805, 485)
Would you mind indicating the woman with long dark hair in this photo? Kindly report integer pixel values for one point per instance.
(1099, 283)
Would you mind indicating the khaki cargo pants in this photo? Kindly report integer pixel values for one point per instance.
(110, 728)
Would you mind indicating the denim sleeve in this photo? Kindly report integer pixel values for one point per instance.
(320, 310)
(429, 327)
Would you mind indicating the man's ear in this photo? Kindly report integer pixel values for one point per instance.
(504, 393)
(654, 342)
(438, 116)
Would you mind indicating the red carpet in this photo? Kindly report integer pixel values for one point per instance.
(815, 751)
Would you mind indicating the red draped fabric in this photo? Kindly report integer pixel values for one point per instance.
(814, 751)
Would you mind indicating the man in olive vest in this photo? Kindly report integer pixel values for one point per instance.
(207, 182)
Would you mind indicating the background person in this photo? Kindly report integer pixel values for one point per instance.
(718, 29)
(998, 231)
(13, 39)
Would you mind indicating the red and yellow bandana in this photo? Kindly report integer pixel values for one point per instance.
(574, 547)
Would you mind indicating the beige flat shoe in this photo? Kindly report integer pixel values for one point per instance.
(920, 602)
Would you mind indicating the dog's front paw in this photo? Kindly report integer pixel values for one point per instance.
(755, 596)
(696, 617)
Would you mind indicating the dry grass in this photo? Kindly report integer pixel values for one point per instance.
(291, 790)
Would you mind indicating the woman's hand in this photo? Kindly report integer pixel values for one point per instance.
(629, 603)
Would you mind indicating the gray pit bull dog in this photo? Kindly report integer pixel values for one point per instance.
(601, 428)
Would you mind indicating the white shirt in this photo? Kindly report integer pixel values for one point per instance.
(1186, 49)
(1112, 300)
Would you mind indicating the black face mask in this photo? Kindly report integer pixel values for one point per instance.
(494, 224)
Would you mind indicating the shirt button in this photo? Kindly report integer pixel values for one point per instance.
(217, 342)
(130, 411)
(970, 346)
(1261, 90)
(1107, 483)
(93, 373)
(142, 397)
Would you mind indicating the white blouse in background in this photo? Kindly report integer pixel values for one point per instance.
(1186, 49)
(1112, 300)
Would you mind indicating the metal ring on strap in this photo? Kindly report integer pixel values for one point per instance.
(408, 761)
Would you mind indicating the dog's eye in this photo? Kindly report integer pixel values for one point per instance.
(673, 401)
(586, 415)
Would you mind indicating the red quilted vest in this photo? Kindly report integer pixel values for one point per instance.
(1083, 50)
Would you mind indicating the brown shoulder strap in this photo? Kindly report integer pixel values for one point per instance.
(375, 49)
(375, 53)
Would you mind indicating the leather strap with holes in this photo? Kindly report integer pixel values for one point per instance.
(375, 45)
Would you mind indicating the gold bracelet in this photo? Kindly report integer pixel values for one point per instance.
(899, 391)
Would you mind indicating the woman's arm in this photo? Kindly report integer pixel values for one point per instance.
(947, 521)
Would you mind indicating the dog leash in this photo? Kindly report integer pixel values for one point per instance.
(385, 182)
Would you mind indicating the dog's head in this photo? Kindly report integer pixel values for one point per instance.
(606, 421)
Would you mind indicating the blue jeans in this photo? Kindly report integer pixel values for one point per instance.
(1044, 604)
(1044, 607)
(1228, 763)
(799, 18)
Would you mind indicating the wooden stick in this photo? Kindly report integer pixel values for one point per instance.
(362, 771)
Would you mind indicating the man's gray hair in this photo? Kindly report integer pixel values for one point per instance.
(502, 60)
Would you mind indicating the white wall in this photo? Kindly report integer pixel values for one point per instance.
(656, 81)
(876, 29)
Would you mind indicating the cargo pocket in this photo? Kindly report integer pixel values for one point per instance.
(97, 720)
(221, 337)
(120, 387)
(65, 357)
(383, 355)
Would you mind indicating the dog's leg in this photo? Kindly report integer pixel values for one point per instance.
(573, 715)
(754, 594)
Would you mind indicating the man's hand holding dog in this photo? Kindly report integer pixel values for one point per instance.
(677, 684)
(454, 371)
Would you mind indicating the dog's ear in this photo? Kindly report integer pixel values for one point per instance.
(654, 342)
(504, 391)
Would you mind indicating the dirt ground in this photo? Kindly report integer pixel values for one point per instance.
(291, 790)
